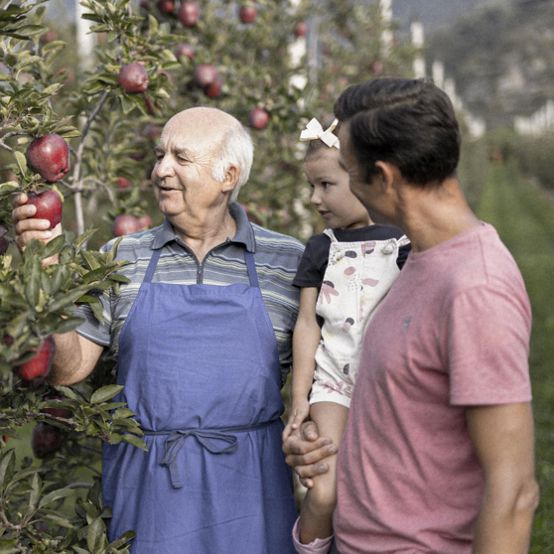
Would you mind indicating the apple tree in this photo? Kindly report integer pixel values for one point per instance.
(79, 142)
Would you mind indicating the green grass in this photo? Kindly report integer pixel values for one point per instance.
(524, 218)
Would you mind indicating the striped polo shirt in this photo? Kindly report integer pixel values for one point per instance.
(276, 257)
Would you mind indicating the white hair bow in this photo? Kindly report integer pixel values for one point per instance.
(314, 131)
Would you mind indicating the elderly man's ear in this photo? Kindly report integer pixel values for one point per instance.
(232, 174)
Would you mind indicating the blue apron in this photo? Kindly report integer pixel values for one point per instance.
(201, 370)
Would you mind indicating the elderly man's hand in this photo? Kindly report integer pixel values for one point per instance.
(305, 449)
(28, 227)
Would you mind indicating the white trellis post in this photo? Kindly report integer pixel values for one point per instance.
(416, 29)
(85, 45)
(386, 33)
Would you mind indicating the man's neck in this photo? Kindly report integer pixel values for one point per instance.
(434, 215)
(203, 234)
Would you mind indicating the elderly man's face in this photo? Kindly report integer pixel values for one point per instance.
(182, 177)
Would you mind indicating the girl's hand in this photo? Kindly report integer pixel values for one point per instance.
(299, 412)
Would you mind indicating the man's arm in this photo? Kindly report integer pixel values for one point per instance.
(305, 451)
(74, 360)
(503, 439)
(75, 356)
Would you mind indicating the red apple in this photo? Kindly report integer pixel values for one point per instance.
(4, 243)
(48, 205)
(49, 156)
(123, 183)
(38, 367)
(301, 29)
(377, 67)
(46, 439)
(133, 78)
(258, 118)
(151, 131)
(7, 339)
(166, 6)
(189, 13)
(213, 90)
(145, 4)
(144, 222)
(125, 224)
(205, 74)
(247, 13)
(184, 50)
(48, 36)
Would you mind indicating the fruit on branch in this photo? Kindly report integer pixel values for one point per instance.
(123, 183)
(166, 6)
(258, 118)
(48, 36)
(300, 29)
(38, 367)
(144, 222)
(125, 224)
(189, 13)
(213, 90)
(151, 131)
(49, 157)
(247, 13)
(48, 205)
(46, 439)
(4, 243)
(377, 67)
(133, 78)
(186, 50)
(205, 74)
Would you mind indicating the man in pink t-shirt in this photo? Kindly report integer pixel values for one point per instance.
(438, 454)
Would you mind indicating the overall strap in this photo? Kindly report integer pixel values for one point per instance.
(330, 234)
(152, 266)
(251, 267)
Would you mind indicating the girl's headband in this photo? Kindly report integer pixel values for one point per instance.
(314, 131)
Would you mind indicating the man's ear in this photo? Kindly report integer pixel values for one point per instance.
(389, 175)
(232, 174)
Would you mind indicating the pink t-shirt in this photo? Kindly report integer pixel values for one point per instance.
(452, 332)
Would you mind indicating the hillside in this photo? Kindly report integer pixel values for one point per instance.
(501, 59)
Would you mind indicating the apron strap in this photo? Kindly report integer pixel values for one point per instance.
(251, 267)
(152, 266)
(207, 438)
(210, 439)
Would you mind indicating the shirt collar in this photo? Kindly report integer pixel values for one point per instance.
(165, 233)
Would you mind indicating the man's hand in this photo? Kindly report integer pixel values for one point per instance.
(28, 227)
(305, 449)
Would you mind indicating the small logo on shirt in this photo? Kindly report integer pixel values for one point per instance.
(407, 321)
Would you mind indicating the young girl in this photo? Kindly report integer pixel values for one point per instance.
(343, 275)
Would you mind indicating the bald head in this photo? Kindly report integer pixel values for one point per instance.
(216, 136)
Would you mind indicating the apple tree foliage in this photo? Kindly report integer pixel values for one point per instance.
(192, 53)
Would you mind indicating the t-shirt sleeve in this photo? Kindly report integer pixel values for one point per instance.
(488, 347)
(403, 252)
(92, 329)
(311, 267)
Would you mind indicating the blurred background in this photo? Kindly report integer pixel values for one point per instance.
(277, 68)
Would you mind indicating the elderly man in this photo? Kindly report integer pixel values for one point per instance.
(437, 455)
(202, 338)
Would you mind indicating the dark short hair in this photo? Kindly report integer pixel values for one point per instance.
(407, 122)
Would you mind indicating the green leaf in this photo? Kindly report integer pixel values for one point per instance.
(6, 466)
(9, 546)
(54, 495)
(135, 441)
(33, 284)
(21, 161)
(59, 520)
(96, 536)
(35, 493)
(90, 259)
(53, 247)
(105, 393)
(69, 393)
